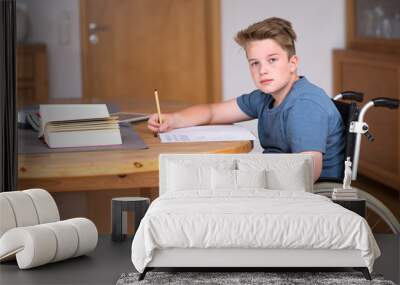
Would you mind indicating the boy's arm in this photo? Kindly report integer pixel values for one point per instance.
(307, 131)
(317, 159)
(217, 113)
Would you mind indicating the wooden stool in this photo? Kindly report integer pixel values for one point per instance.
(120, 205)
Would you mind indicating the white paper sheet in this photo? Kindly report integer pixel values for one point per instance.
(207, 133)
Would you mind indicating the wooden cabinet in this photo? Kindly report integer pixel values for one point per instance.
(373, 25)
(32, 77)
(371, 64)
(376, 75)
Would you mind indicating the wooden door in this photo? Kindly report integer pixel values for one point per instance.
(142, 45)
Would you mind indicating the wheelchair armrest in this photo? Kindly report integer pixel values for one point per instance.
(329, 179)
(352, 95)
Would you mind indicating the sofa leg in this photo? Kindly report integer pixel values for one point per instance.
(364, 271)
(143, 274)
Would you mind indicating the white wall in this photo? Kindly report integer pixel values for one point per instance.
(319, 25)
(56, 23)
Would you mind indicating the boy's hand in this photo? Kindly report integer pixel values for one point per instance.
(167, 123)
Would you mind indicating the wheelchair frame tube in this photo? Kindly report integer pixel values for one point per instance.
(358, 139)
(338, 97)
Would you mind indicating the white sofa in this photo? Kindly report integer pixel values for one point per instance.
(31, 231)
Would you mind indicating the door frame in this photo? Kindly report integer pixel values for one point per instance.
(8, 98)
(213, 37)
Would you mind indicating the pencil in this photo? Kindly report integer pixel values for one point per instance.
(158, 106)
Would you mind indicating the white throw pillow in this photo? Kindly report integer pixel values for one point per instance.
(251, 178)
(182, 177)
(188, 175)
(293, 180)
(223, 179)
(283, 171)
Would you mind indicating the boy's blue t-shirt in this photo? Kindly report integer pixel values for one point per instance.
(307, 120)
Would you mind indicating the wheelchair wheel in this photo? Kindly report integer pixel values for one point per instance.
(374, 206)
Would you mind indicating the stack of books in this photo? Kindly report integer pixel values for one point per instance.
(78, 125)
(344, 194)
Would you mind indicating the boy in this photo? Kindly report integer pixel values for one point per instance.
(294, 116)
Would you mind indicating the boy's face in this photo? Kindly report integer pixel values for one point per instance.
(270, 67)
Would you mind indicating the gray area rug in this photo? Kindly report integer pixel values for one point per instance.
(228, 278)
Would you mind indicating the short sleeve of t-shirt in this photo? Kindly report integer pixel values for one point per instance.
(251, 103)
(307, 127)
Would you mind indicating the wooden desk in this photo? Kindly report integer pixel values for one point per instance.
(83, 183)
(105, 170)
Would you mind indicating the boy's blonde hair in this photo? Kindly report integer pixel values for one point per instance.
(277, 29)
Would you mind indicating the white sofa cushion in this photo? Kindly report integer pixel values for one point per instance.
(32, 246)
(7, 218)
(40, 244)
(87, 233)
(26, 208)
(45, 205)
(67, 240)
(23, 208)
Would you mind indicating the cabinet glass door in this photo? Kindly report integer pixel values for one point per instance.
(378, 19)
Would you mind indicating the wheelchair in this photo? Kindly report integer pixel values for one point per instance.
(355, 127)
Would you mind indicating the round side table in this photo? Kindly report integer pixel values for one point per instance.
(137, 205)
